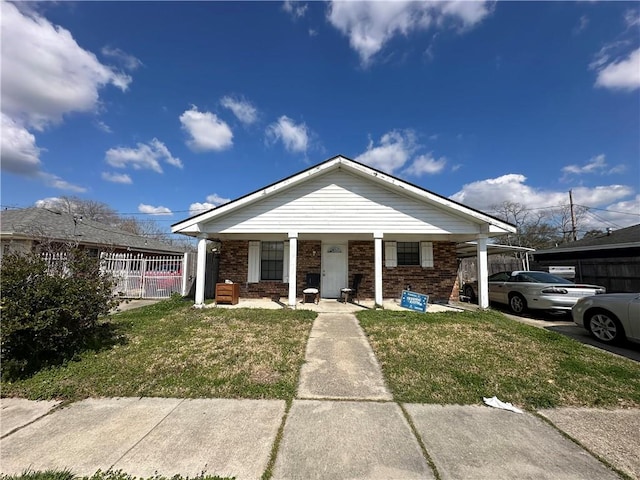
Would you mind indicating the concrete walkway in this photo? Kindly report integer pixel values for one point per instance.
(343, 424)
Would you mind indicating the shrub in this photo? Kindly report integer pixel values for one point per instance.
(49, 314)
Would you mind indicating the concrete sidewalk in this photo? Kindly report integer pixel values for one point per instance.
(342, 425)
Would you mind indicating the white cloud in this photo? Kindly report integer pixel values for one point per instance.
(127, 60)
(242, 109)
(595, 165)
(371, 25)
(581, 26)
(103, 126)
(56, 182)
(393, 152)
(484, 194)
(18, 149)
(294, 8)
(426, 164)
(145, 157)
(632, 18)
(622, 74)
(294, 137)
(206, 130)
(143, 208)
(213, 201)
(117, 178)
(49, 202)
(45, 73)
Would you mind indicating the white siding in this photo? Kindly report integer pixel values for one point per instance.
(340, 202)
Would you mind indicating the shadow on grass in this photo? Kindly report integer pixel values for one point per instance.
(101, 337)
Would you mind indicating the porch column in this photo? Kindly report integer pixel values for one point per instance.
(293, 255)
(201, 269)
(377, 241)
(483, 272)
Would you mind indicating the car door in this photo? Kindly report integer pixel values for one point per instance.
(498, 291)
(634, 318)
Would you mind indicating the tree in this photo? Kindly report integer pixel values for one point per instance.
(532, 229)
(88, 209)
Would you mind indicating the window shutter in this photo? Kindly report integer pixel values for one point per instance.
(426, 254)
(254, 262)
(285, 263)
(390, 254)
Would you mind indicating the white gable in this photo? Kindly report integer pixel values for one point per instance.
(341, 196)
(339, 202)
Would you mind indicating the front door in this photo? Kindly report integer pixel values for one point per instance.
(334, 269)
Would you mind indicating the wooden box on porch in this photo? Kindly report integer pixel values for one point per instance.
(227, 293)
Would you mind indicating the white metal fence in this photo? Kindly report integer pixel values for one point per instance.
(137, 276)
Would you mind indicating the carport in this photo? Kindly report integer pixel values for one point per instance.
(468, 250)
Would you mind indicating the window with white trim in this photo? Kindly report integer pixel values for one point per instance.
(404, 254)
(271, 260)
(268, 261)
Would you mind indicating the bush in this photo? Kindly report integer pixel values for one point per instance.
(49, 314)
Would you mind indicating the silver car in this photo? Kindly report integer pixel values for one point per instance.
(523, 290)
(610, 318)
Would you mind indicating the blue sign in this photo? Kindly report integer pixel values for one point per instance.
(414, 301)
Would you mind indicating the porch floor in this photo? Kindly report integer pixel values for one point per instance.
(328, 305)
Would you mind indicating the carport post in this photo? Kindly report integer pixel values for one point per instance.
(483, 272)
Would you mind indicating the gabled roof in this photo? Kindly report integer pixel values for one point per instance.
(340, 162)
(623, 238)
(39, 223)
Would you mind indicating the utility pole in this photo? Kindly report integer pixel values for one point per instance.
(574, 236)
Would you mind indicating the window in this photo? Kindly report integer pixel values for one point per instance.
(271, 260)
(408, 253)
(399, 254)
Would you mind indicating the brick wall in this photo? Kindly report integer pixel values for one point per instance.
(440, 282)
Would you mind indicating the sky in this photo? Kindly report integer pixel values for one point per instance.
(163, 110)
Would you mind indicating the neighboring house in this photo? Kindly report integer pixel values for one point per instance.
(340, 218)
(611, 259)
(23, 230)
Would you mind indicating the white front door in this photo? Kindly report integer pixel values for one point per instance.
(334, 269)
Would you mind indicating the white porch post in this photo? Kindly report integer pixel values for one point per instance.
(377, 240)
(293, 255)
(483, 272)
(201, 269)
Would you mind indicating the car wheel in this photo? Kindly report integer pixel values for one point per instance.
(517, 303)
(468, 292)
(605, 327)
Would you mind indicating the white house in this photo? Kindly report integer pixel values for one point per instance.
(337, 219)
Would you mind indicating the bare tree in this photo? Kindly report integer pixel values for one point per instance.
(88, 209)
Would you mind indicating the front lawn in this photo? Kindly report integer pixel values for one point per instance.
(172, 350)
(458, 358)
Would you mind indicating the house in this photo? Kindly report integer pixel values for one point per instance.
(611, 259)
(22, 230)
(341, 218)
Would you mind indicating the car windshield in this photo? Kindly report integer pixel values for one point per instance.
(540, 277)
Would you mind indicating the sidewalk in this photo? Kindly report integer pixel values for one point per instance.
(343, 424)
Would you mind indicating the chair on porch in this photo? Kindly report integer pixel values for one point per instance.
(312, 287)
(352, 292)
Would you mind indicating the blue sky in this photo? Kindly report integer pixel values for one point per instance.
(165, 109)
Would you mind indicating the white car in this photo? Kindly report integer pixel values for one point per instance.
(610, 318)
(533, 290)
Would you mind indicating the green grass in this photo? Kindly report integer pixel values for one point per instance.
(99, 475)
(171, 350)
(457, 358)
